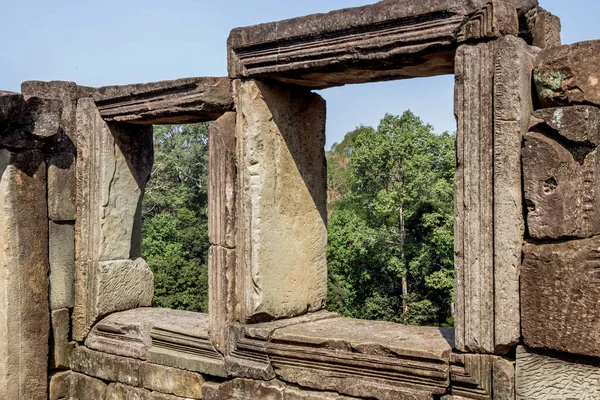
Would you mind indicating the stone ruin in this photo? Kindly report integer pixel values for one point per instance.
(75, 321)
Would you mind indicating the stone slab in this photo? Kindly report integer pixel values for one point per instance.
(222, 302)
(512, 110)
(24, 308)
(543, 377)
(387, 40)
(560, 188)
(62, 179)
(282, 199)
(61, 346)
(180, 101)
(62, 264)
(568, 75)
(560, 292)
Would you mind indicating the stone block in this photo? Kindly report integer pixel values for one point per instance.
(580, 124)
(117, 391)
(560, 186)
(107, 367)
(24, 316)
(222, 169)
(559, 296)
(546, 30)
(387, 40)
(60, 386)
(504, 379)
(172, 381)
(62, 265)
(86, 388)
(61, 187)
(544, 377)
(512, 110)
(66, 92)
(28, 122)
(62, 347)
(568, 75)
(282, 199)
(181, 101)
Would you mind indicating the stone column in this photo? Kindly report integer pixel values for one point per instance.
(24, 314)
(282, 234)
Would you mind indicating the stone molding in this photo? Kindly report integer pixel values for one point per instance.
(180, 101)
(384, 41)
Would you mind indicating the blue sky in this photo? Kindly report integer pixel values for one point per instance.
(110, 42)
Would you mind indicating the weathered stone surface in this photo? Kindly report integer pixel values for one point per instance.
(246, 389)
(61, 187)
(181, 101)
(107, 367)
(61, 349)
(512, 109)
(24, 309)
(390, 39)
(568, 75)
(222, 302)
(66, 92)
(60, 386)
(137, 373)
(282, 181)
(86, 388)
(123, 285)
(560, 295)
(127, 333)
(117, 391)
(542, 377)
(473, 191)
(495, 19)
(61, 238)
(222, 171)
(580, 124)
(113, 165)
(546, 30)
(503, 379)
(560, 187)
(404, 362)
(28, 122)
(182, 341)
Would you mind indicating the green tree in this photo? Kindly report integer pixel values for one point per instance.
(394, 224)
(175, 217)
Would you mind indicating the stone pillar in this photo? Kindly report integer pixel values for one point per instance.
(24, 314)
(493, 103)
(282, 234)
(222, 185)
(113, 166)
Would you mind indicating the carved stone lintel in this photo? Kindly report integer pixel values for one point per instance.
(181, 101)
(387, 40)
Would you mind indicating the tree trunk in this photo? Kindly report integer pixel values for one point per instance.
(403, 260)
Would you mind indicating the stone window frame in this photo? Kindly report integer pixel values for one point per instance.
(492, 67)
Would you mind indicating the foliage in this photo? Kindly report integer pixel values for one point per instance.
(390, 249)
(175, 217)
